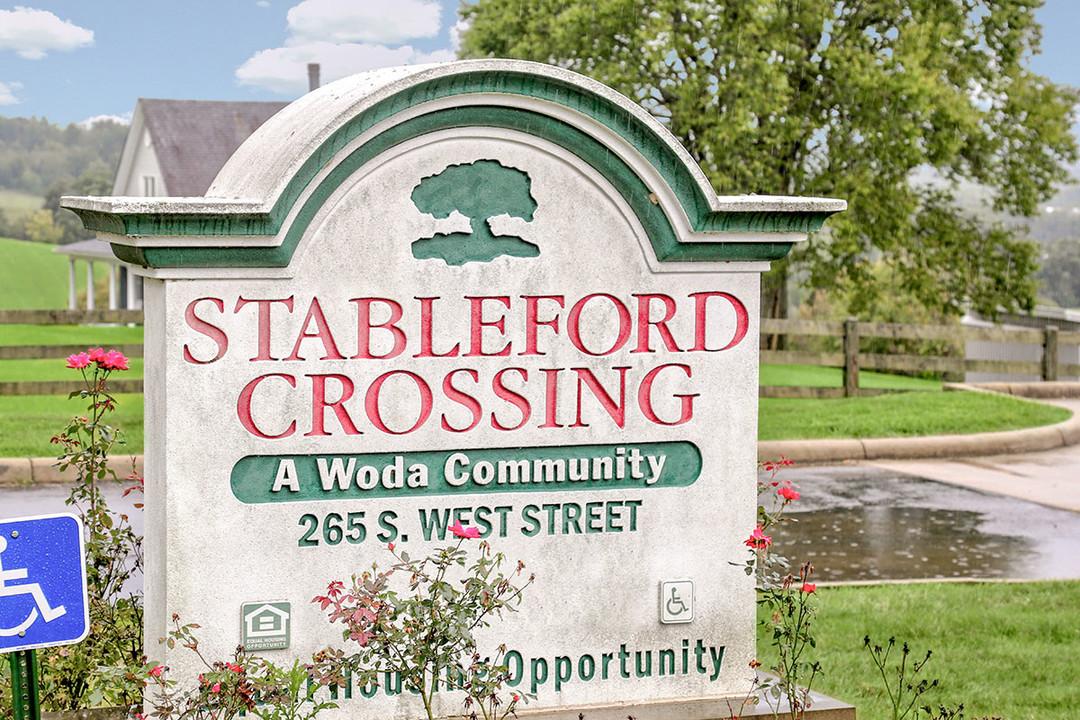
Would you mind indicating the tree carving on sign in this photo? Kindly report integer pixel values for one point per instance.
(480, 191)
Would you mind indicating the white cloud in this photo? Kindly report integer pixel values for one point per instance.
(284, 69)
(7, 93)
(345, 37)
(263, 3)
(32, 33)
(124, 119)
(456, 32)
(381, 22)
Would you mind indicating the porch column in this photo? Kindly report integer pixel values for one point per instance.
(114, 280)
(131, 279)
(89, 285)
(73, 296)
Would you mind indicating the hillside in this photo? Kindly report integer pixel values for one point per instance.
(33, 278)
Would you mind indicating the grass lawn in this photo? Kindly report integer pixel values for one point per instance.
(900, 415)
(814, 376)
(89, 335)
(33, 278)
(28, 421)
(31, 370)
(15, 202)
(1008, 650)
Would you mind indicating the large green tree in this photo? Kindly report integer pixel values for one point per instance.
(890, 104)
(1060, 271)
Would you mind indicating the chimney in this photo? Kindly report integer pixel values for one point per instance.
(313, 76)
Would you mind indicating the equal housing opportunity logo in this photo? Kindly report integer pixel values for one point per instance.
(265, 625)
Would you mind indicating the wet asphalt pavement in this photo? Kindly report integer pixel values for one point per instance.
(855, 523)
(868, 523)
(31, 500)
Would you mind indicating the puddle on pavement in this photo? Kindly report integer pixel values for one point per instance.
(864, 523)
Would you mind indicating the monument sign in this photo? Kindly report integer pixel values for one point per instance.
(488, 292)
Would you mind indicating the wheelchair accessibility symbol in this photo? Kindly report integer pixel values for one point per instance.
(42, 582)
(676, 601)
(31, 589)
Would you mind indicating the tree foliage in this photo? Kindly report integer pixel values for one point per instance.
(97, 179)
(837, 98)
(34, 153)
(39, 158)
(1059, 275)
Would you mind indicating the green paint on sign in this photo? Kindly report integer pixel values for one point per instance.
(479, 191)
(295, 478)
(642, 138)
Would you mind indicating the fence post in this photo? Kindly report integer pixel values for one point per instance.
(851, 357)
(1050, 354)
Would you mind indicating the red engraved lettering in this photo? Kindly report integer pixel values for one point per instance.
(476, 333)
(364, 326)
(617, 411)
(645, 401)
(645, 322)
(551, 397)
(510, 396)
(532, 322)
(243, 408)
(461, 398)
(427, 322)
(573, 324)
(319, 405)
(742, 320)
(264, 322)
(213, 332)
(371, 402)
(322, 334)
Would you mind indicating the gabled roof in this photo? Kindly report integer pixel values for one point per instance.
(193, 138)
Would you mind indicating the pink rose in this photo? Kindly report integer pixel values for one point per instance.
(758, 539)
(78, 362)
(114, 360)
(464, 532)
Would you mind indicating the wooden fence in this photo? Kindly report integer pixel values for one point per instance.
(850, 359)
(45, 352)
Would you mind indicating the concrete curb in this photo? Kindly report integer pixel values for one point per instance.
(34, 471)
(43, 471)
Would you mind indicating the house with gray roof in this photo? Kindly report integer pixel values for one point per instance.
(174, 148)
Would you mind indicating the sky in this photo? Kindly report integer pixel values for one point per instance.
(76, 60)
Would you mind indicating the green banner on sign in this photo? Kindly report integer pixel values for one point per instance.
(294, 478)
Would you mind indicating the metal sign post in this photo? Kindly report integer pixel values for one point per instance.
(24, 685)
(42, 597)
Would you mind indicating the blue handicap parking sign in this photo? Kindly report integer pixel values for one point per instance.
(42, 582)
